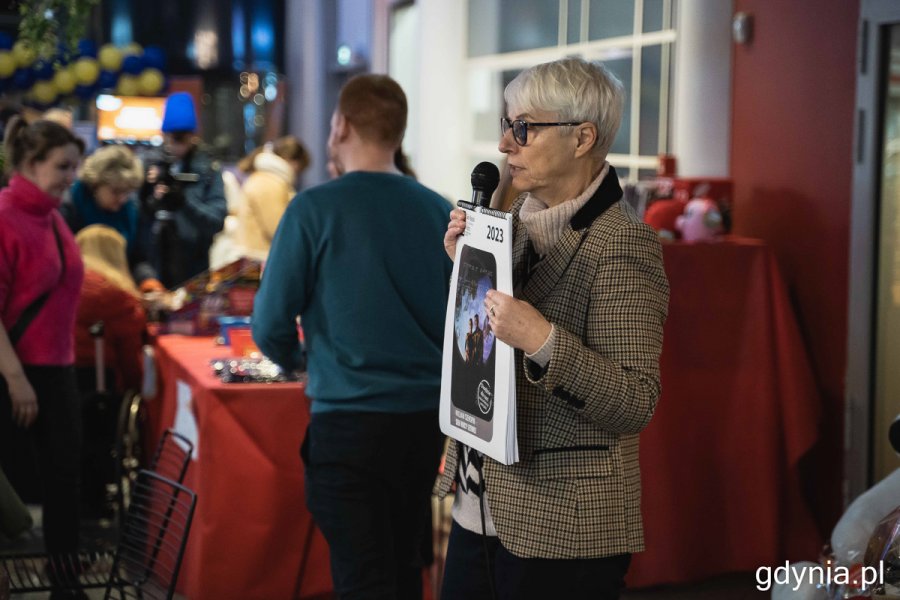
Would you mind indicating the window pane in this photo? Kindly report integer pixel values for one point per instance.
(497, 26)
(574, 26)
(486, 102)
(484, 23)
(610, 18)
(651, 57)
(621, 68)
(653, 15)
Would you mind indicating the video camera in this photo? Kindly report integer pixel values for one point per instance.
(161, 172)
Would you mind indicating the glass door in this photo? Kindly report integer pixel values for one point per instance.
(887, 311)
(873, 340)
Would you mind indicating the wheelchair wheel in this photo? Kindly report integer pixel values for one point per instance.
(128, 450)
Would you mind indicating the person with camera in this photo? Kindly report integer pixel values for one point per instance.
(182, 200)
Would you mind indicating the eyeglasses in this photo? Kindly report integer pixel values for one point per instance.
(520, 128)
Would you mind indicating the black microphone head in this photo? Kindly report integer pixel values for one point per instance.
(894, 434)
(485, 178)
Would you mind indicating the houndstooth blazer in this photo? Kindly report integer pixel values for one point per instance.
(576, 490)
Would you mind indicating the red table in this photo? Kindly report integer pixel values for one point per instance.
(739, 407)
(252, 537)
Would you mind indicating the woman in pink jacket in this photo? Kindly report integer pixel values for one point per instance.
(40, 280)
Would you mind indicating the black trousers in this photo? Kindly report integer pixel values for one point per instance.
(368, 486)
(52, 447)
(467, 577)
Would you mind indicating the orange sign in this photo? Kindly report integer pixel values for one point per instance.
(130, 119)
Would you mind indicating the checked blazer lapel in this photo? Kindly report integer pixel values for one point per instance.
(548, 271)
(521, 245)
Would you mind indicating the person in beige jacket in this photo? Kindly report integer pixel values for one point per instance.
(267, 191)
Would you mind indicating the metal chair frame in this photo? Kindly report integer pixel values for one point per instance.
(148, 555)
(28, 572)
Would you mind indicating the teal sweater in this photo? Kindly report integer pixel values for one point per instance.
(361, 260)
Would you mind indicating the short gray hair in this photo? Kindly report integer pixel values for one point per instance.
(113, 165)
(576, 90)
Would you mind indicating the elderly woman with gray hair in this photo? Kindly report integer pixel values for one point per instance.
(586, 322)
(104, 194)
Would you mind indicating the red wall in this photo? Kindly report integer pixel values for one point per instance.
(791, 161)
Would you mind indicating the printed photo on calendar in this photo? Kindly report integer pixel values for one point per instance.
(472, 382)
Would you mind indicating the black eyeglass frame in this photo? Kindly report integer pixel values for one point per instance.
(507, 124)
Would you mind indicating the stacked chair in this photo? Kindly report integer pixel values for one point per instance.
(157, 510)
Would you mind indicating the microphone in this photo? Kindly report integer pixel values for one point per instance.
(485, 178)
(894, 434)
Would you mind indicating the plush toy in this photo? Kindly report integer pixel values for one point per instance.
(661, 216)
(701, 220)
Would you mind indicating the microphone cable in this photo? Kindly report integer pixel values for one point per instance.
(478, 462)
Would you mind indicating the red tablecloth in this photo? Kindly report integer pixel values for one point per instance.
(719, 461)
(252, 537)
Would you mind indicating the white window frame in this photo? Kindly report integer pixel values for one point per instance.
(607, 49)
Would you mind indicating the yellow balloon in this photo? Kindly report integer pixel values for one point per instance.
(65, 80)
(86, 70)
(7, 64)
(110, 57)
(44, 92)
(132, 48)
(23, 53)
(128, 86)
(150, 81)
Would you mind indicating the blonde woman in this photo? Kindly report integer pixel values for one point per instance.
(109, 294)
(267, 191)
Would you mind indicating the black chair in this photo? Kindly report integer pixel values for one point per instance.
(171, 460)
(147, 558)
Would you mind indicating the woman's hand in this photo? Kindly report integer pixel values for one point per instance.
(160, 190)
(455, 228)
(153, 174)
(516, 322)
(24, 400)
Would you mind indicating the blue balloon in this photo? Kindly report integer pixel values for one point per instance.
(6, 41)
(43, 71)
(85, 92)
(87, 48)
(154, 58)
(107, 80)
(63, 54)
(132, 65)
(23, 78)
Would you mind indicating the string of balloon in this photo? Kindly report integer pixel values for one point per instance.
(130, 70)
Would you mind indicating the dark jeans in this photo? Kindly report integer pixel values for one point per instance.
(368, 487)
(466, 576)
(51, 445)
